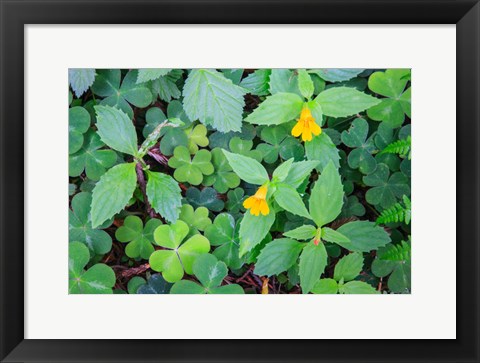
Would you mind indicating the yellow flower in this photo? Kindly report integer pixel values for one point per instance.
(257, 203)
(306, 126)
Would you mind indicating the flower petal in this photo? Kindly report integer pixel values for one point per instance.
(298, 128)
(316, 130)
(249, 202)
(307, 135)
(264, 208)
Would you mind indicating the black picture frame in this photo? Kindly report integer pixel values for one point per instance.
(15, 14)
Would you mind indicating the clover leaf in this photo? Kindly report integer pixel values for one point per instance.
(90, 158)
(207, 197)
(197, 219)
(107, 84)
(191, 170)
(210, 272)
(134, 284)
(156, 284)
(234, 202)
(352, 207)
(244, 147)
(222, 140)
(393, 108)
(278, 141)
(223, 233)
(139, 239)
(394, 260)
(386, 188)
(98, 279)
(223, 178)
(80, 226)
(361, 156)
(197, 136)
(179, 255)
(78, 124)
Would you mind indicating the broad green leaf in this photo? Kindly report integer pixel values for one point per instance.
(278, 256)
(357, 287)
(276, 109)
(214, 100)
(302, 232)
(298, 172)
(90, 159)
(333, 236)
(364, 236)
(156, 284)
(80, 79)
(325, 286)
(113, 192)
(313, 261)
(305, 84)
(281, 172)
(348, 267)
(78, 124)
(344, 101)
(322, 148)
(233, 74)
(253, 230)
(166, 86)
(116, 129)
(283, 81)
(337, 74)
(247, 168)
(149, 74)
(80, 227)
(164, 195)
(289, 199)
(326, 199)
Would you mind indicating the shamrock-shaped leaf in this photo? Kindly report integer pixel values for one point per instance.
(197, 219)
(197, 136)
(98, 279)
(90, 158)
(156, 284)
(352, 207)
(244, 147)
(80, 79)
(393, 108)
(223, 177)
(134, 284)
(394, 260)
(80, 226)
(222, 141)
(191, 170)
(139, 239)
(224, 234)
(78, 124)
(178, 256)
(386, 188)
(210, 272)
(278, 141)
(207, 197)
(234, 202)
(356, 137)
(107, 84)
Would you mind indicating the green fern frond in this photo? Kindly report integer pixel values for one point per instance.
(397, 213)
(399, 147)
(400, 252)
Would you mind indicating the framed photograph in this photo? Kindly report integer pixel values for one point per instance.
(239, 181)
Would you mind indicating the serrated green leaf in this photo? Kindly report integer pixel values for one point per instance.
(149, 74)
(298, 172)
(322, 148)
(214, 100)
(325, 286)
(281, 172)
(336, 74)
(276, 109)
(278, 256)
(283, 81)
(116, 129)
(257, 83)
(364, 236)
(305, 84)
(164, 195)
(357, 287)
(253, 230)
(302, 232)
(113, 192)
(348, 267)
(80, 79)
(289, 199)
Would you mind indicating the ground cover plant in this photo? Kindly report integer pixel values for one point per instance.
(239, 181)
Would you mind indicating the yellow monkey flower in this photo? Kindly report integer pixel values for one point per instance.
(257, 203)
(306, 126)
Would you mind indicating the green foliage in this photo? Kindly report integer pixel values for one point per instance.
(396, 213)
(193, 181)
